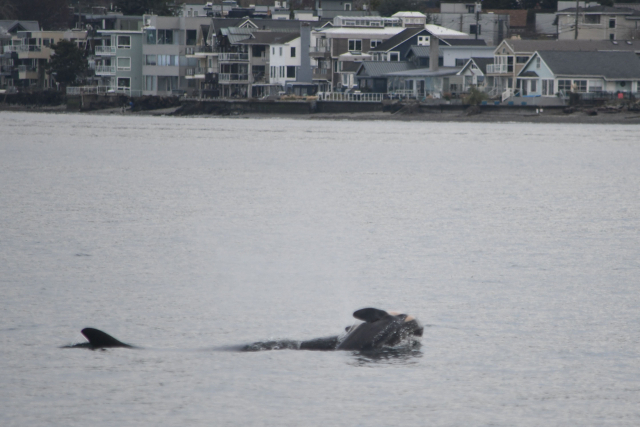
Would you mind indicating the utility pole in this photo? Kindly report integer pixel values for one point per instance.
(478, 9)
(576, 29)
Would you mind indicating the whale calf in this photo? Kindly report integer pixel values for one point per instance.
(379, 329)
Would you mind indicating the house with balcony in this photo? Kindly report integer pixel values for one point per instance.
(548, 74)
(598, 23)
(30, 52)
(274, 61)
(510, 56)
(8, 58)
(118, 62)
(165, 44)
(352, 35)
(205, 52)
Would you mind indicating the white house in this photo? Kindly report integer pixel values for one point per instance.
(284, 59)
(550, 72)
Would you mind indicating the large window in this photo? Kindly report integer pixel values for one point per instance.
(521, 59)
(168, 60)
(291, 72)
(473, 27)
(394, 56)
(124, 64)
(547, 87)
(612, 23)
(355, 45)
(564, 85)
(150, 36)
(595, 85)
(375, 43)
(592, 19)
(293, 52)
(124, 82)
(124, 42)
(165, 36)
(149, 82)
(150, 60)
(579, 85)
(192, 36)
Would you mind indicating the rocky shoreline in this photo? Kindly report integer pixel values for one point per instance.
(471, 114)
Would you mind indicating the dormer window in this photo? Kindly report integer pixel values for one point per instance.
(347, 6)
(423, 40)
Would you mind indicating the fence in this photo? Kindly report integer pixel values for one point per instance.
(350, 97)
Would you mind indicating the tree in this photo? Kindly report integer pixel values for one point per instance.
(140, 7)
(8, 10)
(389, 7)
(50, 14)
(68, 62)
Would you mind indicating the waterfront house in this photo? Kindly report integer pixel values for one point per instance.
(591, 74)
(372, 75)
(118, 62)
(473, 73)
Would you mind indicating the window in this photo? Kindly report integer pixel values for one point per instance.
(533, 85)
(460, 62)
(273, 51)
(612, 36)
(150, 36)
(375, 43)
(165, 37)
(150, 60)
(149, 82)
(579, 86)
(564, 85)
(595, 85)
(592, 19)
(124, 82)
(347, 6)
(423, 40)
(394, 56)
(612, 23)
(538, 62)
(192, 35)
(124, 42)
(167, 60)
(293, 52)
(282, 71)
(521, 59)
(547, 87)
(280, 51)
(124, 64)
(472, 29)
(355, 45)
(291, 72)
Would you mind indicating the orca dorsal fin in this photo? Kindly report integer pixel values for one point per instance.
(370, 315)
(99, 339)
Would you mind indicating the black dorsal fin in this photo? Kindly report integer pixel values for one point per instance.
(100, 339)
(370, 315)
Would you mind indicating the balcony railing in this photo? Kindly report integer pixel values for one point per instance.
(106, 50)
(197, 71)
(23, 48)
(497, 68)
(9, 49)
(192, 50)
(105, 70)
(319, 49)
(233, 57)
(350, 97)
(226, 77)
(321, 72)
(26, 68)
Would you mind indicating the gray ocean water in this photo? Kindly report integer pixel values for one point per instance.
(518, 245)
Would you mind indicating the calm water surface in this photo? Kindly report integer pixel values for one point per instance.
(518, 244)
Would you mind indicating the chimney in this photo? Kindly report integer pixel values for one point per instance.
(434, 53)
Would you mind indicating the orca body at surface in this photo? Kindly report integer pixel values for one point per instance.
(98, 339)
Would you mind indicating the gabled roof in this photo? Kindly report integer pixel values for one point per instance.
(380, 68)
(420, 51)
(481, 63)
(399, 38)
(610, 65)
(13, 26)
(350, 66)
(270, 37)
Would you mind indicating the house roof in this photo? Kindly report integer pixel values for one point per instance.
(350, 66)
(381, 68)
(531, 46)
(611, 65)
(464, 42)
(426, 72)
(482, 63)
(399, 38)
(270, 37)
(439, 31)
(12, 26)
(420, 51)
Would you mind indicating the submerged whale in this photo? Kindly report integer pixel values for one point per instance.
(379, 329)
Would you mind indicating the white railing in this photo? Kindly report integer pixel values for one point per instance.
(497, 68)
(9, 49)
(350, 97)
(197, 71)
(319, 49)
(507, 94)
(89, 90)
(192, 50)
(105, 70)
(233, 57)
(226, 77)
(106, 50)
